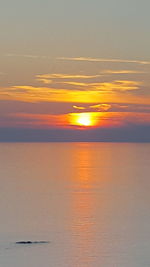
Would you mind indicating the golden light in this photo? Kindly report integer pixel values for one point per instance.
(85, 119)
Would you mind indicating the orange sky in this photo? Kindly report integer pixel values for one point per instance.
(56, 66)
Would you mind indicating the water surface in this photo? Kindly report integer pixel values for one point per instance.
(90, 201)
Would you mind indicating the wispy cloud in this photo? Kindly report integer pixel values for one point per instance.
(105, 92)
(114, 86)
(122, 72)
(119, 85)
(71, 91)
(30, 56)
(113, 107)
(89, 59)
(79, 108)
(101, 107)
(78, 84)
(66, 76)
(87, 82)
(45, 80)
(81, 80)
(49, 78)
(91, 108)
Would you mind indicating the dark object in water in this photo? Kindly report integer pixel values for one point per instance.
(31, 242)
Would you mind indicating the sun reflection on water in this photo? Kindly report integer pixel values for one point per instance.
(83, 224)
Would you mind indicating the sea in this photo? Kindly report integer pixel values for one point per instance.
(74, 204)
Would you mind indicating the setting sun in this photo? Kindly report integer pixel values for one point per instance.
(83, 119)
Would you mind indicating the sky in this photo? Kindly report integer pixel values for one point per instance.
(75, 70)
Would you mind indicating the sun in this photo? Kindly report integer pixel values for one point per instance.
(85, 119)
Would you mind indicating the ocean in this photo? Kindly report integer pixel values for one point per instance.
(88, 202)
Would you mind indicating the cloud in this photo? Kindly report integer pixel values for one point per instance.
(122, 72)
(89, 59)
(129, 133)
(79, 88)
(26, 56)
(55, 108)
(79, 108)
(101, 107)
(119, 85)
(114, 86)
(93, 108)
(45, 81)
(52, 78)
(102, 119)
(78, 84)
(88, 83)
(115, 91)
(114, 107)
(66, 76)
(33, 94)
(40, 120)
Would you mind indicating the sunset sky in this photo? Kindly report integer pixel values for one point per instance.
(75, 70)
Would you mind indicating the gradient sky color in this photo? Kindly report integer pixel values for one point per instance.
(62, 58)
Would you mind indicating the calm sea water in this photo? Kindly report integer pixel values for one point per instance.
(91, 201)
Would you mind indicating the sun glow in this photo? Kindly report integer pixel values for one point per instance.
(86, 119)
